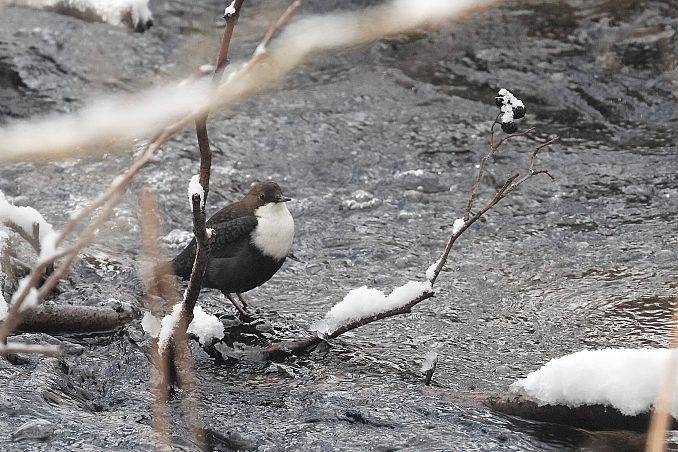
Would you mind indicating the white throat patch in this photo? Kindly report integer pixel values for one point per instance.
(275, 230)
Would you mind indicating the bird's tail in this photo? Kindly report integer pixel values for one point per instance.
(182, 264)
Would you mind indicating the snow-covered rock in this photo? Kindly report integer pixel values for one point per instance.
(134, 14)
(626, 379)
(365, 302)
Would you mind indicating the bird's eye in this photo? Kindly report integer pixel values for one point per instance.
(261, 196)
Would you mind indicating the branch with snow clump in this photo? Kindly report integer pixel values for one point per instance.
(363, 306)
(429, 366)
(207, 328)
(30, 225)
(596, 389)
(626, 379)
(365, 303)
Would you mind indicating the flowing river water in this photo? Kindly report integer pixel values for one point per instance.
(397, 126)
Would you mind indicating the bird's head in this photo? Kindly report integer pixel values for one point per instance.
(264, 193)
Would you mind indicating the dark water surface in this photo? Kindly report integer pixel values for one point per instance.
(587, 261)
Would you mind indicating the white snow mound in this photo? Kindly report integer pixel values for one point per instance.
(131, 13)
(365, 302)
(626, 379)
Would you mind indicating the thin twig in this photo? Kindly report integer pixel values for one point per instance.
(45, 350)
(277, 25)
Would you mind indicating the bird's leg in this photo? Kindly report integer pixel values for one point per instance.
(235, 303)
(242, 300)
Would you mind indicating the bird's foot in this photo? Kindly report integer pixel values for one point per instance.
(242, 312)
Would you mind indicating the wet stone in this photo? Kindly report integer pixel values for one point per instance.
(361, 199)
(420, 180)
(38, 429)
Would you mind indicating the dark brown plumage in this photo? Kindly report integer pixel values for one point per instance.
(252, 238)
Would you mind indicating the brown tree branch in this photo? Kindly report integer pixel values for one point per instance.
(284, 348)
(149, 221)
(65, 318)
(198, 203)
(13, 348)
(177, 356)
(199, 264)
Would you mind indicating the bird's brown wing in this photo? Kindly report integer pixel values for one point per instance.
(228, 236)
(228, 213)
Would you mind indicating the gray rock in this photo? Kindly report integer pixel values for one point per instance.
(420, 180)
(37, 429)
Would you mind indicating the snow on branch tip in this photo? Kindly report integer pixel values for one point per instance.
(26, 221)
(195, 188)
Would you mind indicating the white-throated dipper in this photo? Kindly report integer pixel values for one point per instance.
(252, 239)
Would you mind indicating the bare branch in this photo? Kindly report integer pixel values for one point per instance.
(18, 347)
(200, 263)
(159, 373)
(512, 182)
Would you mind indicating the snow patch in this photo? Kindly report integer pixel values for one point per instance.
(230, 10)
(457, 225)
(31, 299)
(431, 270)
(627, 379)
(167, 326)
(151, 324)
(365, 302)
(194, 188)
(206, 327)
(510, 102)
(133, 13)
(430, 361)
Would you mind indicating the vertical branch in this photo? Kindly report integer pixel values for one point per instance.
(661, 416)
(199, 264)
(159, 371)
(198, 203)
(160, 283)
(201, 122)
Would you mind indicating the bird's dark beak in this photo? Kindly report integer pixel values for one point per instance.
(282, 199)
